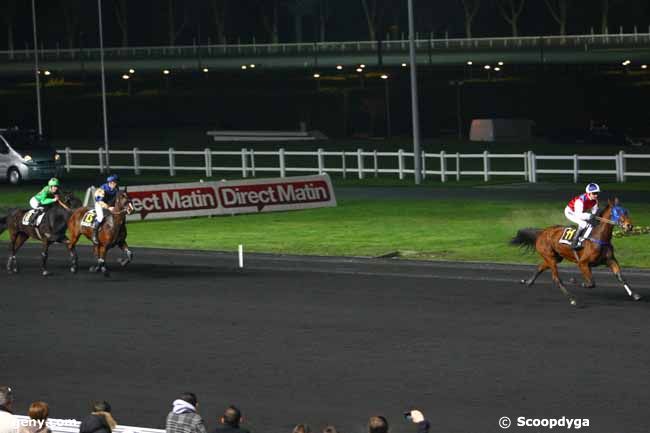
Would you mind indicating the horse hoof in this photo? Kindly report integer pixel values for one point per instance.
(73, 269)
(588, 286)
(45, 274)
(93, 269)
(637, 297)
(573, 302)
(522, 281)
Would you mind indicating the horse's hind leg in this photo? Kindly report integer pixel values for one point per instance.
(552, 263)
(616, 269)
(17, 240)
(128, 254)
(585, 269)
(72, 250)
(541, 268)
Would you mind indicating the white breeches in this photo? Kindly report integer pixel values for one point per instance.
(34, 203)
(579, 219)
(99, 212)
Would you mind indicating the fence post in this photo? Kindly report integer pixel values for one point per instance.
(360, 162)
(136, 160)
(251, 153)
(424, 165)
(68, 159)
(400, 163)
(457, 167)
(208, 162)
(375, 160)
(443, 167)
(621, 164)
(486, 166)
(576, 168)
(244, 165)
(321, 162)
(172, 162)
(526, 168)
(343, 166)
(100, 153)
(533, 167)
(283, 167)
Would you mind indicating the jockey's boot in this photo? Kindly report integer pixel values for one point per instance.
(575, 242)
(96, 232)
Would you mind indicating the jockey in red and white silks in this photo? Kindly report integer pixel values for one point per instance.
(581, 209)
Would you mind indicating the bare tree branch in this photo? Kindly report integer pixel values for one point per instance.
(512, 13)
(121, 15)
(219, 10)
(470, 7)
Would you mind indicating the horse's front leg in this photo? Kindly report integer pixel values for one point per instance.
(44, 254)
(128, 254)
(585, 269)
(552, 264)
(616, 269)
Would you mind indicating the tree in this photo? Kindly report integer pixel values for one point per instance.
(558, 10)
(510, 11)
(374, 11)
(325, 12)
(8, 13)
(174, 32)
(219, 11)
(71, 15)
(270, 19)
(121, 16)
(300, 9)
(470, 7)
(605, 6)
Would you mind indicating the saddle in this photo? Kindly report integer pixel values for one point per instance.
(33, 217)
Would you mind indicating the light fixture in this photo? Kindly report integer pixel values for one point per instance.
(403, 65)
(244, 66)
(166, 71)
(384, 77)
(57, 157)
(131, 71)
(500, 63)
(470, 63)
(205, 69)
(27, 158)
(627, 62)
(497, 69)
(359, 70)
(252, 65)
(48, 73)
(339, 67)
(125, 77)
(487, 67)
(362, 66)
(644, 66)
(316, 75)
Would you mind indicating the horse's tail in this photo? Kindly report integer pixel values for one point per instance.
(526, 237)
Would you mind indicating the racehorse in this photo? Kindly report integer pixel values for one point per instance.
(597, 250)
(51, 229)
(111, 233)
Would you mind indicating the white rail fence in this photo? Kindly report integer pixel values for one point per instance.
(360, 163)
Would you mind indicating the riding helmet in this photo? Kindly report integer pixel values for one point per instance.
(592, 187)
(112, 178)
(53, 182)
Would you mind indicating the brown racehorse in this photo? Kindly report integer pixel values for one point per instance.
(50, 230)
(597, 250)
(112, 233)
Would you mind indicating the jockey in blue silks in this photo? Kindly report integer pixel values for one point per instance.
(104, 199)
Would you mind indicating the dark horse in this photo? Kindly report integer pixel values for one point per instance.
(112, 233)
(598, 249)
(51, 229)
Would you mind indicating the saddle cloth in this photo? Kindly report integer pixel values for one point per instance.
(28, 216)
(88, 220)
(567, 235)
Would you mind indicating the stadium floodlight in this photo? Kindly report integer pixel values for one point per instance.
(244, 67)
(166, 71)
(316, 75)
(500, 63)
(644, 66)
(252, 65)
(403, 65)
(362, 66)
(131, 71)
(205, 69)
(487, 67)
(125, 77)
(470, 63)
(626, 63)
(48, 73)
(339, 67)
(497, 69)
(359, 70)
(384, 77)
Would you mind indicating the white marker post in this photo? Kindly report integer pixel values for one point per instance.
(241, 256)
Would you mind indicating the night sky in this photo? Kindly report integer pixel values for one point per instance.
(148, 20)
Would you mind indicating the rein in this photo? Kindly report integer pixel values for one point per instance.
(605, 220)
(64, 206)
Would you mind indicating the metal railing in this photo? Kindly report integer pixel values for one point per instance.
(325, 48)
(360, 163)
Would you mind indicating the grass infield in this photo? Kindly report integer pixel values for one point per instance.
(450, 229)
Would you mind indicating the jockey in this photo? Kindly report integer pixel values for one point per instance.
(581, 210)
(104, 197)
(45, 198)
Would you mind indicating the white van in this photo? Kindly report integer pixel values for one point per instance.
(25, 155)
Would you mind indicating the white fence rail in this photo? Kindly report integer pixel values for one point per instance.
(360, 163)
